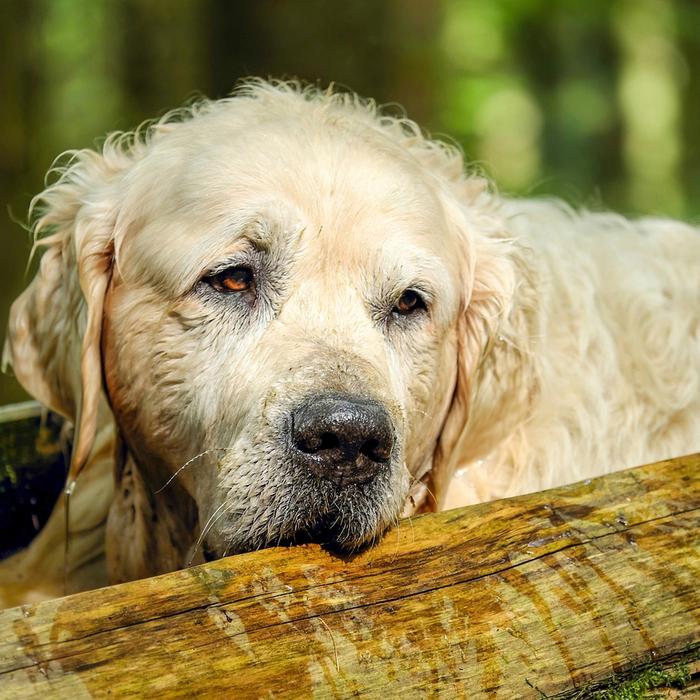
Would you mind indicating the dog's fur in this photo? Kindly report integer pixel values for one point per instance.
(555, 345)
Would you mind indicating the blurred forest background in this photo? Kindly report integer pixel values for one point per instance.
(596, 102)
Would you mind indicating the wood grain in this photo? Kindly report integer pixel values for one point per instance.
(556, 593)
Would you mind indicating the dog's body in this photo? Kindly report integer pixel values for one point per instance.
(301, 318)
(613, 354)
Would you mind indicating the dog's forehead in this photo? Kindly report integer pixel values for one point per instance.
(337, 196)
(329, 177)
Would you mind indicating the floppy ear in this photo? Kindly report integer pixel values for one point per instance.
(493, 339)
(53, 339)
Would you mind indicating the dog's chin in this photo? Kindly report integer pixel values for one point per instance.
(356, 519)
(325, 535)
(335, 538)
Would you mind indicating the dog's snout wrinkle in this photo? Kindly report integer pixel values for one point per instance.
(345, 439)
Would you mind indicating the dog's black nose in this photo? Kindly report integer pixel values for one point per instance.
(345, 439)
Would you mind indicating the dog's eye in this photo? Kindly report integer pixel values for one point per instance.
(409, 302)
(232, 280)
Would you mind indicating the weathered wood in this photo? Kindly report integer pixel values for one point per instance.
(560, 593)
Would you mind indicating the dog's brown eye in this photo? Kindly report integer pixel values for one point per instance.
(234, 279)
(409, 302)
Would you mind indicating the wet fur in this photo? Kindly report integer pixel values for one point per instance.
(559, 345)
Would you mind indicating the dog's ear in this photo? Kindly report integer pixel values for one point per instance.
(53, 340)
(490, 337)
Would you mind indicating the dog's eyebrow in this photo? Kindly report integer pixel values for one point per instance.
(257, 234)
(253, 230)
(414, 266)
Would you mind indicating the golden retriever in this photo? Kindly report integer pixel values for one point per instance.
(287, 316)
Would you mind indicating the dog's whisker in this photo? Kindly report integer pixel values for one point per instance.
(241, 516)
(187, 464)
(207, 527)
(228, 547)
(396, 523)
(430, 493)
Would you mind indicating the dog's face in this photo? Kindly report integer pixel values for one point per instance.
(286, 307)
(284, 298)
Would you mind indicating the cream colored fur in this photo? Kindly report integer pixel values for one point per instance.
(611, 359)
(559, 345)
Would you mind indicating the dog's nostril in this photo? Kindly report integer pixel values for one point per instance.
(329, 441)
(312, 444)
(375, 451)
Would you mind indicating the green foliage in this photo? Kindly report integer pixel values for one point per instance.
(597, 102)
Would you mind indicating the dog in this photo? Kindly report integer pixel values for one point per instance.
(288, 316)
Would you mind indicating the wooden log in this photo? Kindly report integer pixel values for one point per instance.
(563, 593)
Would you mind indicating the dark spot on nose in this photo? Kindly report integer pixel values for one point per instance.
(344, 439)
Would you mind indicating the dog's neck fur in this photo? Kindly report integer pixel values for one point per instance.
(149, 532)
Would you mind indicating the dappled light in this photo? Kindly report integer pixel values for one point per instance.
(597, 103)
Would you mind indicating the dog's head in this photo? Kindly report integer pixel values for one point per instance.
(284, 297)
